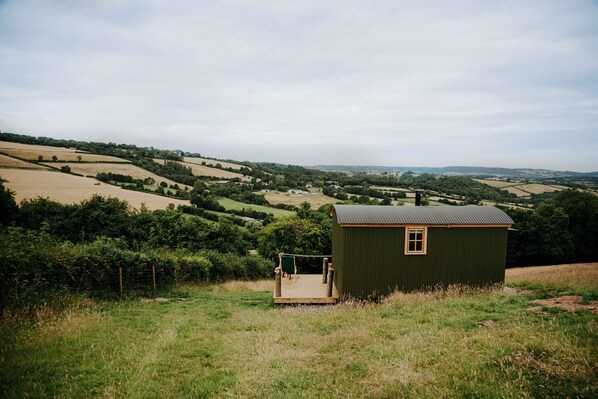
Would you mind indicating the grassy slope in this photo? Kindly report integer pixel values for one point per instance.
(236, 205)
(230, 341)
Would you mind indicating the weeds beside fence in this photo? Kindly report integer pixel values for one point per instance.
(32, 262)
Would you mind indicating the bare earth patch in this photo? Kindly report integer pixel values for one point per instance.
(158, 299)
(570, 303)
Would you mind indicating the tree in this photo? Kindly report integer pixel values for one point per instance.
(65, 169)
(79, 158)
(292, 235)
(543, 236)
(40, 158)
(54, 158)
(8, 206)
(582, 211)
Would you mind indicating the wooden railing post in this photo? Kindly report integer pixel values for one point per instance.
(278, 282)
(325, 271)
(330, 281)
(154, 276)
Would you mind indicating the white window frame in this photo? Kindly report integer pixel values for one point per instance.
(424, 230)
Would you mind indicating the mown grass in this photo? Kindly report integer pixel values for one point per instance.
(229, 340)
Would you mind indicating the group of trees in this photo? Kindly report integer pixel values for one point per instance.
(563, 228)
(47, 245)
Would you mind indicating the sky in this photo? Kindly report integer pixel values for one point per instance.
(396, 83)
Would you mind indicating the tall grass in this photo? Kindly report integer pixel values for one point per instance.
(229, 340)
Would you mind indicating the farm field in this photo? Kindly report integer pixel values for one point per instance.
(31, 152)
(92, 169)
(208, 161)
(496, 183)
(9, 162)
(315, 200)
(521, 189)
(537, 188)
(229, 340)
(67, 189)
(200, 170)
(236, 205)
(518, 192)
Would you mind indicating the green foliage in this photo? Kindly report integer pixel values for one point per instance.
(8, 206)
(293, 235)
(32, 262)
(582, 210)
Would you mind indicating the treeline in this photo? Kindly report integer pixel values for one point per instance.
(561, 229)
(49, 245)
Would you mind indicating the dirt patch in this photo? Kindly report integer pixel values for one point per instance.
(570, 303)
(158, 299)
(488, 323)
(518, 292)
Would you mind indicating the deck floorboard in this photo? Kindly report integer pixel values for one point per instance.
(307, 288)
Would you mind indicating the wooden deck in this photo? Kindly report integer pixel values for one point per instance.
(308, 289)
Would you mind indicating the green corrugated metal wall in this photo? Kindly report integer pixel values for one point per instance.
(371, 260)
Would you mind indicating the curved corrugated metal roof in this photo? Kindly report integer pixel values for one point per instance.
(427, 215)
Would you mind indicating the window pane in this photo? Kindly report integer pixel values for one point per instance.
(418, 235)
(411, 246)
(419, 246)
(411, 235)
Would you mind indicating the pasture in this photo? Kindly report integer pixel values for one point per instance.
(92, 169)
(201, 170)
(31, 152)
(67, 189)
(198, 161)
(229, 340)
(237, 206)
(315, 200)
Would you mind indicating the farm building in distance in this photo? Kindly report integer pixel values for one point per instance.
(379, 249)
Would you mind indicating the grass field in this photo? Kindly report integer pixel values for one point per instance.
(315, 200)
(230, 341)
(31, 152)
(67, 189)
(496, 183)
(198, 161)
(92, 169)
(9, 162)
(200, 170)
(236, 205)
(537, 188)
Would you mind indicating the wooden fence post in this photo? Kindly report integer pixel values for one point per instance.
(154, 276)
(120, 279)
(330, 280)
(325, 271)
(278, 282)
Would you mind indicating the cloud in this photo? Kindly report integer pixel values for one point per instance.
(383, 82)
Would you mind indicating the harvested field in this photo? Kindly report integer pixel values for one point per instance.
(495, 183)
(92, 169)
(537, 188)
(198, 161)
(517, 192)
(67, 189)
(8, 162)
(315, 200)
(200, 170)
(31, 152)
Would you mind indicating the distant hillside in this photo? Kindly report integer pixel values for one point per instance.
(460, 170)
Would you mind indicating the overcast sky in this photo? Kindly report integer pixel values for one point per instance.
(488, 83)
